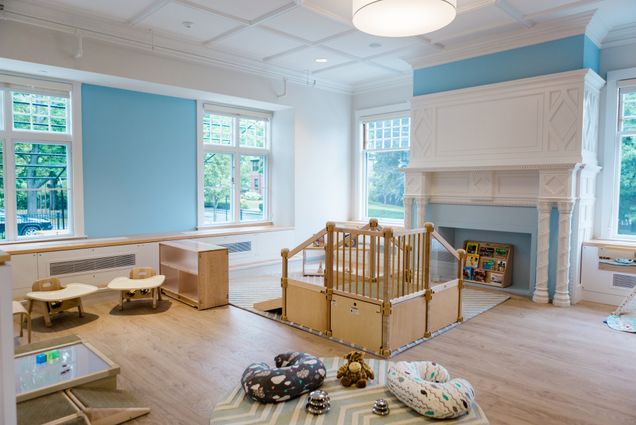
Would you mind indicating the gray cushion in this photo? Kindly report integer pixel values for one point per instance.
(295, 374)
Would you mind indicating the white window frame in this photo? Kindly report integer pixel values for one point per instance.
(400, 110)
(236, 151)
(72, 140)
(610, 178)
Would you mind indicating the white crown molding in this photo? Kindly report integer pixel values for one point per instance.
(621, 36)
(597, 30)
(89, 26)
(384, 84)
(497, 42)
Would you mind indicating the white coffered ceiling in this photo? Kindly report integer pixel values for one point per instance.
(289, 35)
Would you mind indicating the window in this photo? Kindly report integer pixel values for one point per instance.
(385, 151)
(38, 112)
(35, 159)
(235, 156)
(626, 136)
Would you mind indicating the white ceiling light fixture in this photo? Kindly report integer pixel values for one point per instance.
(402, 18)
(321, 60)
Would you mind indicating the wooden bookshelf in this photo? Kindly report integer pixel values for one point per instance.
(488, 263)
(196, 272)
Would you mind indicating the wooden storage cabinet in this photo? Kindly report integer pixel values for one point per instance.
(196, 272)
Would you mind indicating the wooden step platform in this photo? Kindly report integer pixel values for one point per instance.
(268, 305)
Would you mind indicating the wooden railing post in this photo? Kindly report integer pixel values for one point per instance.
(428, 294)
(329, 266)
(460, 283)
(387, 235)
(283, 280)
(373, 225)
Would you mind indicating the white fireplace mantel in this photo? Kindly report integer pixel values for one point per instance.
(530, 142)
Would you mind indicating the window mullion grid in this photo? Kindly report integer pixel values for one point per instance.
(620, 135)
(10, 201)
(236, 186)
(10, 221)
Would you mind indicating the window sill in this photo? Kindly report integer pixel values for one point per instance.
(42, 240)
(611, 243)
(383, 222)
(228, 226)
(68, 244)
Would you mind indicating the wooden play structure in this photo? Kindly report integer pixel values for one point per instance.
(382, 288)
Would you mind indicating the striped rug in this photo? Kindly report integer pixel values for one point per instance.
(245, 292)
(349, 406)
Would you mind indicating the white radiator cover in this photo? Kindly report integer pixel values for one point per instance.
(250, 250)
(605, 286)
(31, 267)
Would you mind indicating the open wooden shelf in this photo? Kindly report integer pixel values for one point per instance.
(179, 267)
(493, 262)
(196, 273)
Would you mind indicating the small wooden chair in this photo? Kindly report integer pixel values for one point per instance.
(50, 307)
(18, 309)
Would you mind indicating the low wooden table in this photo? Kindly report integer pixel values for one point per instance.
(124, 285)
(70, 293)
(60, 366)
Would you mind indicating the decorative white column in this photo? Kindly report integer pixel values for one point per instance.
(562, 295)
(421, 211)
(408, 212)
(543, 253)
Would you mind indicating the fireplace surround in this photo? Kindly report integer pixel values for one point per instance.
(529, 144)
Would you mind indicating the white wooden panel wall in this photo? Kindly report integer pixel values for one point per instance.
(543, 120)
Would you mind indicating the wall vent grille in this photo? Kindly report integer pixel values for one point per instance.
(623, 281)
(91, 264)
(236, 247)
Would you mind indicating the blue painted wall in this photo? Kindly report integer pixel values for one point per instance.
(562, 55)
(513, 225)
(591, 55)
(139, 158)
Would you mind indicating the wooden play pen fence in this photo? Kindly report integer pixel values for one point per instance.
(382, 288)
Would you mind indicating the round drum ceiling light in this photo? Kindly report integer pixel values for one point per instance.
(402, 18)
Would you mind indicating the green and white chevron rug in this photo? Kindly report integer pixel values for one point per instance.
(349, 406)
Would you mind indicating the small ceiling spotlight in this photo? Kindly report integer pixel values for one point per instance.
(321, 60)
(375, 45)
(187, 24)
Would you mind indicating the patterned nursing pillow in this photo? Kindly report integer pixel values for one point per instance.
(426, 387)
(294, 374)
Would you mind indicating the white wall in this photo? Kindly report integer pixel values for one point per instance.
(620, 57)
(318, 160)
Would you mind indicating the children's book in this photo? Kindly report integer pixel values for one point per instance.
(479, 275)
(488, 263)
(472, 260)
(468, 273)
(472, 247)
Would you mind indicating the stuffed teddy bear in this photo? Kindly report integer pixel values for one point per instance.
(355, 371)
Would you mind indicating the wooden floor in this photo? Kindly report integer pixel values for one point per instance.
(529, 363)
